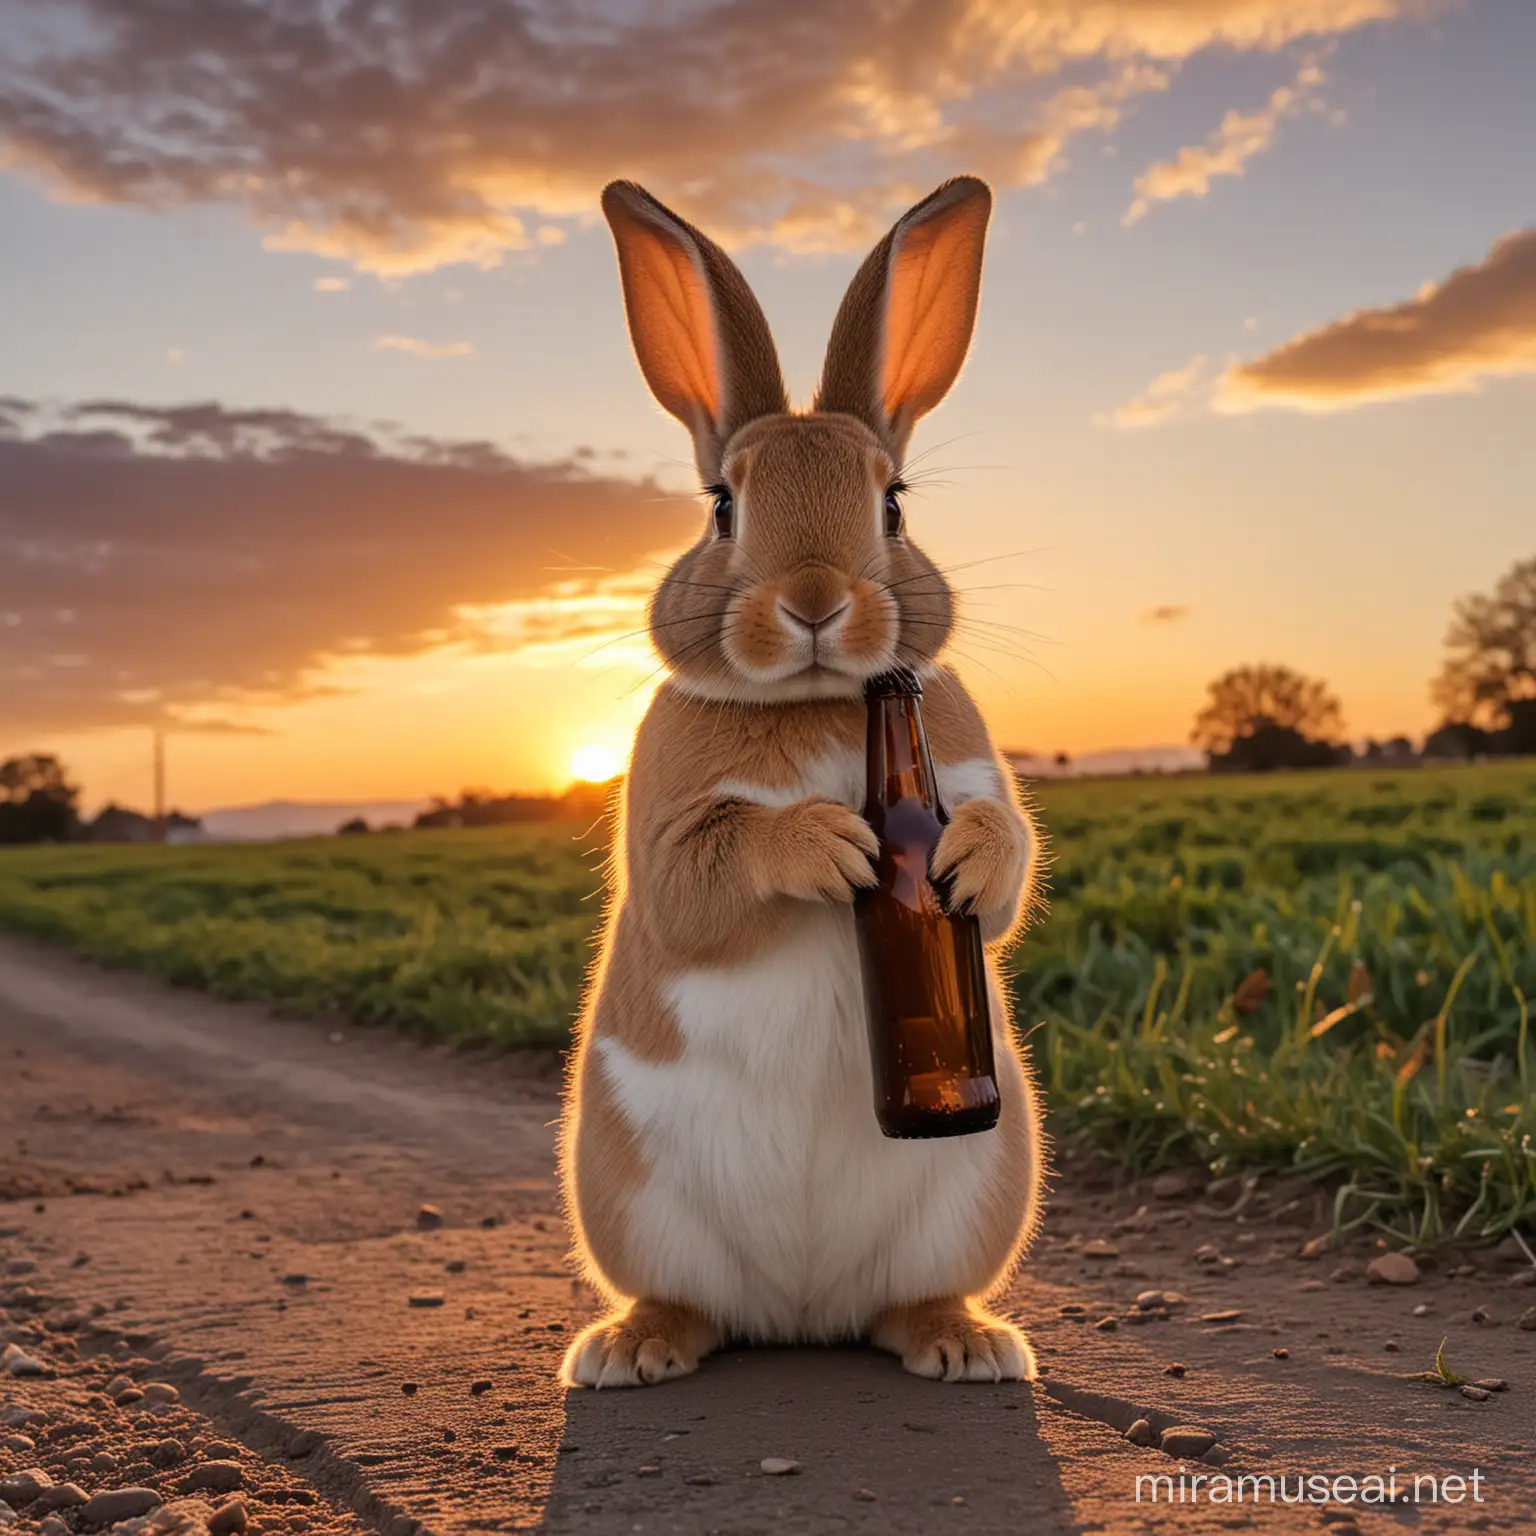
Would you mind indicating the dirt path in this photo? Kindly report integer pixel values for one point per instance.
(200, 1195)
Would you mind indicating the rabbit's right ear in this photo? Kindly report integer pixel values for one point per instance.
(699, 333)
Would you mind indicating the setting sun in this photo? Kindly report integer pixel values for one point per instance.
(596, 764)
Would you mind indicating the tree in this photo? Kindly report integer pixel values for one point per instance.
(40, 804)
(1490, 666)
(1262, 717)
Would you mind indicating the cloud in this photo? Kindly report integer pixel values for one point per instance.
(1172, 395)
(1166, 613)
(400, 135)
(1240, 137)
(180, 562)
(1480, 322)
(418, 348)
(331, 285)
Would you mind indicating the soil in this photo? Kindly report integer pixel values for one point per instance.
(223, 1212)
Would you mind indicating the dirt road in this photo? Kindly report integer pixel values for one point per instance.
(198, 1195)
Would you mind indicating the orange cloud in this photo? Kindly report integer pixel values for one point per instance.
(1169, 396)
(401, 136)
(1166, 613)
(1241, 136)
(1480, 322)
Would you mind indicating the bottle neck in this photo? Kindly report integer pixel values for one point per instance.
(899, 763)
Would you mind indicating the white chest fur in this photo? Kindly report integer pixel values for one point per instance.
(772, 1200)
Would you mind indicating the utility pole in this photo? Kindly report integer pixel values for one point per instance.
(159, 785)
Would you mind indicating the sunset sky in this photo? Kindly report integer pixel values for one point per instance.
(322, 443)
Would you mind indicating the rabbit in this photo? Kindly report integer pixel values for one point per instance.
(723, 1171)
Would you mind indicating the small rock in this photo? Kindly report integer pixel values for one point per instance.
(1492, 1384)
(1391, 1346)
(1178, 1183)
(1107, 1324)
(161, 1392)
(1527, 1320)
(480, 1388)
(17, 1362)
(455, 1266)
(1484, 1318)
(104, 1461)
(115, 1504)
(778, 1466)
(222, 1450)
(17, 1443)
(128, 1397)
(425, 1299)
(648, 1471)
(1476, 1394)
(1311, 1285)
(1141, 1433)
(428, 1218)
(409, 1388)
(215, 1477)
(1230, 1315)
(1280, 1352)
(1186, 1441)
(61, 1496)
(17, 1417)
(865, 1495)
(169, 1453)
(1100, 1248)
(1392, 1269)
(299, 1445)
(297, 1279)
(1147, 1300)
(23, 1487)
(1178, 1369)
(52, 1526)
(228, 1519)
(1422, 1310)
(1072, 1309)
(700, 1480)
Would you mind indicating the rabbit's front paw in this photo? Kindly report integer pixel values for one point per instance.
(652, 1341)
(818, 850)
(982, 860)
(952, 1341)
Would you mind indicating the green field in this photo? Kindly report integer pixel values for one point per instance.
(1394, 913)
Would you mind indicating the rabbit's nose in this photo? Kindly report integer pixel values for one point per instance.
(813, 596)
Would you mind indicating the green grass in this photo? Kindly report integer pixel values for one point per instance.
(1394, 913)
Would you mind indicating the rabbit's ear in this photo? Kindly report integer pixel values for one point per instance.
(699, 334)
(905, 324)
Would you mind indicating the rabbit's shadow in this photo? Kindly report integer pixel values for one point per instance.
(876, 1449)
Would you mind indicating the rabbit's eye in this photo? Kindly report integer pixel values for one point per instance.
(722, 512)
(895, 520)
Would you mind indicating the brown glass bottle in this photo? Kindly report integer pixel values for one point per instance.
(925, 980)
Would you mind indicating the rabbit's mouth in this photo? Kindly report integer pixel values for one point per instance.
(816, 622)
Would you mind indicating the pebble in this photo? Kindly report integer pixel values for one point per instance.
(222, 1450)
(1391, 1346)
(128, 1397)
(17, 1443)
(52, 1526)
(1392, 1269)
(425, 1299)
(161, 1392)
(17, 1417)
(1107, 1324)
(480, 1388)
(1527, 1320)
(700, 1480)
(17, 1362)
(169, 1453)
(1186, 1441)
(409, 1388)
(1422, 1310)
(1147, 1300)
(1178, 1183)
(865, 1495)
(1280, 1352)
(229, 1519)
(1178, 1368)
(1141, 1433)
(1100, 1248)
(1230, 1315)
(61, 1496)
(429, 1218)
(778, 1466)
(455, 1266)
(23, 1487)
(114, 1504)
(1476, 1394)
(1492, 1384)
(648, 1471)
(1484, 1319)
(216, 1477)
(1311, 1285)
(296, 1279)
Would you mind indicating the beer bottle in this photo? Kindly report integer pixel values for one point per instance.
(925, 980)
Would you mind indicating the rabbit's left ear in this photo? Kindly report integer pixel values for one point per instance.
(699, 333)
(904, 326)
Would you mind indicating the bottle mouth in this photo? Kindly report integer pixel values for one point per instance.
(894, 683)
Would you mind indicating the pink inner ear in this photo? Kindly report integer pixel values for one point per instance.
(674, 327)
(935, 276)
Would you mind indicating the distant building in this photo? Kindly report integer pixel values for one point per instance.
(118, 824)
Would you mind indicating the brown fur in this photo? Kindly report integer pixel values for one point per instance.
(768, 632)
(952, 1340)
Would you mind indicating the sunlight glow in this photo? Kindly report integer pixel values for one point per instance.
(596, 764)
